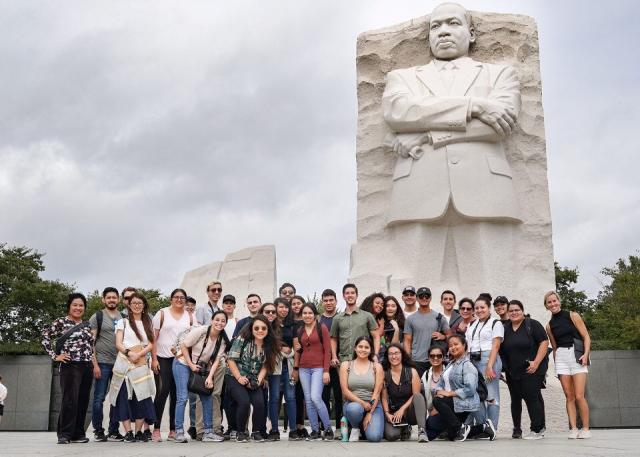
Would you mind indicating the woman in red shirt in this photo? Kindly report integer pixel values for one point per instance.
(311, 366)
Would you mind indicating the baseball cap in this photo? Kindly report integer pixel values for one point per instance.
(229, 298)
(423, 291)
(409, 290)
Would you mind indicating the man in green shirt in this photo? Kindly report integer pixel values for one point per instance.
(349, 325)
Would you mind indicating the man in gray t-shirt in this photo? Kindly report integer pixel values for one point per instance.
(104, 357)
(422, 328)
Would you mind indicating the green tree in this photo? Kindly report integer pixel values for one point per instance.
(27, 302)
(154, 296)
(573, 300)
(614, 321)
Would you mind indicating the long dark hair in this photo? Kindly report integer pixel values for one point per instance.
(367, 305)
(398, 316)
(299, 298)
(406, 358)
(223, 332)
(271, 345)
(275, 325)
(368, 340)
(144, 317)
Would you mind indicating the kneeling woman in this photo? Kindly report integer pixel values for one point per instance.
(251, 358)
(132, 385)
(361, 382)
(402, 401)
(201, 351)
(456, 397)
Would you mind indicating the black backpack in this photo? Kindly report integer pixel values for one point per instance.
(482, 390)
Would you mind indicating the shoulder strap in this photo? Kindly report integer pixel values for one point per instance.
(190, 319)
(99, 319)
(387, 378)
(206, 339)
(65, 336)
(161, 319)
(494, 324)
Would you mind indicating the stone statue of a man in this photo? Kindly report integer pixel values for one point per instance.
(453, 206)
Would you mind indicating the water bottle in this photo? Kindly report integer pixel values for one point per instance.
(344, 429)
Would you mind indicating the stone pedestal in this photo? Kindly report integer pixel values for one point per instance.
(375, 264)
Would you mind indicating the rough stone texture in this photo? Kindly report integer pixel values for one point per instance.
(28, 380)
(501, 38)
(250, 270)
(612, 389)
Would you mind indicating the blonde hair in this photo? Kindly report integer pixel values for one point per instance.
(549, 294)
(213, 283)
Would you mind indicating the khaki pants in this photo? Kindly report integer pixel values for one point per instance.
(218, 379)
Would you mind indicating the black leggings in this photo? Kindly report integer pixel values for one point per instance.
(452, 420)
(165, 386)
(527, 388)
(333, 386)
(244, 399)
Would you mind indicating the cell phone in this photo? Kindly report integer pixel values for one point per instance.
(401, 424)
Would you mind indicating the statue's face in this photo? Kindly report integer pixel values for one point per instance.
(449, 33)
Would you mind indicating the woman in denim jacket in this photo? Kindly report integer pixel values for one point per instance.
(456, 397)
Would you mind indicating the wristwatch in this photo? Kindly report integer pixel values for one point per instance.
(126, 351)
(295, 368)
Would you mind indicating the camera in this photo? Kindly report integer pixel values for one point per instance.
(475, 356)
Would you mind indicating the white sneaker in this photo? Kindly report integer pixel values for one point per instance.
(533, 436)
(573, 434)
(355, 435)
(584, 434)
(212, 438)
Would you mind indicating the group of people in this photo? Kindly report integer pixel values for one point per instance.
(378, 368)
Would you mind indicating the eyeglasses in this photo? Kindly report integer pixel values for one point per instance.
(269, 311)
(127, 298)
(424, 296)
(137, 302)
(179, 298)
(394, 354)
(215, 289)
(435, 356)
(466, 308)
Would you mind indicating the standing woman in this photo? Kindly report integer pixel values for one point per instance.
(402, 401)
(524, 353)
(311, 366)
(130, 395)
(69, 340)
(430, 380)
(280, 380)
(465, 308)
(566, 329)
(297, 302)
(251, 358)
(456, 397)
(393, 323)
(485, 336)
(361, 381)
(201, 350)
(168, 323)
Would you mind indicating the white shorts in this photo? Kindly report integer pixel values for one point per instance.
(566, 362)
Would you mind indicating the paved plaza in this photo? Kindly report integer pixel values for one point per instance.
(604, 443)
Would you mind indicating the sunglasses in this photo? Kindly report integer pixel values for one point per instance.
(466, 308)
(435, 356)
(269, 311)
(260, 329)
(215, 289)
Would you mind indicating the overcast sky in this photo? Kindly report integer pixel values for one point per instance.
(139, 140)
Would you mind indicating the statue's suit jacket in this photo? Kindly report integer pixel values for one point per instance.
(466, 165)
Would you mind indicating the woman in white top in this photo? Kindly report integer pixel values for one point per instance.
(201, 351)
(134, 340)
(168, 324)
(484, 337)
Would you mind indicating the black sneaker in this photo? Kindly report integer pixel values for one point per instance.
(129, 438)
(517, 434)
(63, 441)
(490, 430)
(303, 433)
(294, 436)
(274, 435)
(82, 439)
(115, 436)
(99, 436)
(147, 435)
(328, 434)
(242, 437)
(192, 433)
(405, 434)
(141, 438)
(257, 437)
(463, 433)
(314, 436)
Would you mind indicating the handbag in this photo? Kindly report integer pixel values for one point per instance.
(197, 379)
(578, 350)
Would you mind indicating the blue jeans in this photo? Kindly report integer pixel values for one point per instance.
(491, 408)
(192, 409)
(355, 413)
(312, 386)
(100, 389)
(181, 377)
(278, 383)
